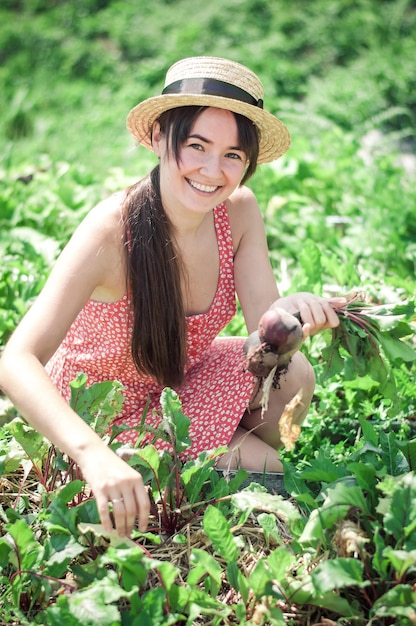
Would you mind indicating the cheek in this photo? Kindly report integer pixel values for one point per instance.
(236, 171)
(188, 161)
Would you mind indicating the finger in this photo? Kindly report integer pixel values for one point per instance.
(305, 313)
(104, 512)
(130, 513)
(306, 330)
(119, 512)
(143, 507)
(319, 313)
(312, 313)
(332, 317)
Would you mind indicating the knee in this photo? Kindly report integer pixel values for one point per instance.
(303, 375)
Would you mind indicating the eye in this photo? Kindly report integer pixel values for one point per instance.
(235, 155)
(196, 146)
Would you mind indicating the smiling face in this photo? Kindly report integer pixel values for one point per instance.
(210, 165)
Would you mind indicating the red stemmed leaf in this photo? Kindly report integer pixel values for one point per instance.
(370, 339)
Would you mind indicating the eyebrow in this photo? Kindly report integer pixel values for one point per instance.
(208, 141)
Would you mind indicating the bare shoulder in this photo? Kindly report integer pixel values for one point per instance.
(96, 251)
(242, 197)
(242, 205)
(105, 220)
(244, 214)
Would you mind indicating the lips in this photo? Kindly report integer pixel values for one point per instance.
(201, 187)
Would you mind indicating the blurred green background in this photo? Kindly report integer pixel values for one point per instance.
(70, 70)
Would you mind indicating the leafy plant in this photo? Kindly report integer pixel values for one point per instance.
(366, 524)
(371, 336)
(344, 546)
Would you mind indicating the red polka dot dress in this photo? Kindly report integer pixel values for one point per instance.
(216, 390)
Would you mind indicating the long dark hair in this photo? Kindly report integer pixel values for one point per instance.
(154, 266)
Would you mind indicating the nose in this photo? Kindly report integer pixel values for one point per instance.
(211, 166)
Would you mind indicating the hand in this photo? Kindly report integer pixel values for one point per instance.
(114, 482)
(317, 313)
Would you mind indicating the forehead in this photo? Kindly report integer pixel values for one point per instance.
(216, 122)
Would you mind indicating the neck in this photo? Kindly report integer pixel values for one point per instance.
(187, 223)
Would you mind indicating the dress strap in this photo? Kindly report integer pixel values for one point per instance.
(224, 235)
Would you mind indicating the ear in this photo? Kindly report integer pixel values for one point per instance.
(156, 138)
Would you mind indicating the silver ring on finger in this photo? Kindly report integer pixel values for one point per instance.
(117, 500)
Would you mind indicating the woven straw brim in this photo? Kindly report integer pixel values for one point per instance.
(274, 136)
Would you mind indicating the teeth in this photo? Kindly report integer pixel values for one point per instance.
(206, 188)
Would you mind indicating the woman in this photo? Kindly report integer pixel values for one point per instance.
(149, 280)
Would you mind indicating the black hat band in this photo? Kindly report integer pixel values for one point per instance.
(211, 87)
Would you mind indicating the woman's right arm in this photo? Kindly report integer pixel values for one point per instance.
(93, 261)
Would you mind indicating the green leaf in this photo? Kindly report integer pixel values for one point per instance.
(401, 560)
(259, 579)
(236, 480)
(150, 456)
(167, 571)
(397, 602)
(365, 475)
(256, 500)
(332, 602)
(194, 478)
(93, 605)
(205, 564)
(70, 490)
(217, 529)
(99, 404)
(342, 493)
(397, 311)
(409, 450)
(196, 602)
(392, 457)
(60, 614)
(394, 349)
(367, 339)
(297, 487)
(319, 520)
(238, 581)
(322, 469)
(279, 561)
(339, 499)
(334, 362)
(337, 574)
(268, 522)
(33, 443)
(61, 516)
(380, 561)
(369, 432)
(303, 592)
(310, 260)
(400, 519)
(174, 422)
(29, 552)
(133, 566)
(57, 564)
(151, 609)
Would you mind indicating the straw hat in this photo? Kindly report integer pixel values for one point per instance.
(216, 82)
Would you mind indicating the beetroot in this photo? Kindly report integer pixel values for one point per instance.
(280, 329)
(278, 337)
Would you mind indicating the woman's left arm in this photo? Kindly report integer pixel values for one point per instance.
(255, 283)
(254, 279)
